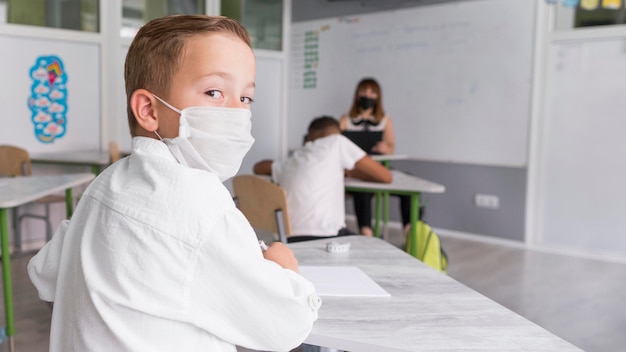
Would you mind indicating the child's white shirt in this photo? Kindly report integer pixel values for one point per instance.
(313, 178)
(158, 258)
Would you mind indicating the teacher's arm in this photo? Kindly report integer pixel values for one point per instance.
(387, 145)
(343, 122)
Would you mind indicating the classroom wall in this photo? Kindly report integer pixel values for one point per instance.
(455, 209)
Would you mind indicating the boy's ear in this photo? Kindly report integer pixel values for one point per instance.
(143, 103)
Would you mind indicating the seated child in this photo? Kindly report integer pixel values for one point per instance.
(313, 178)
(157, 257)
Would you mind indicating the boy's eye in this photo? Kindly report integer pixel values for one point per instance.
(214, 94)
(246, 100)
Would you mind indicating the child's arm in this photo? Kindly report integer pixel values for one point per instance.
(368, 169)
(263, 167)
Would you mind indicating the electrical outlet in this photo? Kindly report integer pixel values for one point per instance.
(487, 201)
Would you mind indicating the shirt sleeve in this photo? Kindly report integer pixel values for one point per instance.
(43, 268)
(350, 152)
(245, 299)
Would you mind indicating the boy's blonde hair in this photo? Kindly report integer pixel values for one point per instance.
(156, 52)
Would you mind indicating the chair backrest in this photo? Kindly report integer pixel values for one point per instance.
(14, 161)
(114, 152)
(264, 204)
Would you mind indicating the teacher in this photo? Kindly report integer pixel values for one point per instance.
(367, 114)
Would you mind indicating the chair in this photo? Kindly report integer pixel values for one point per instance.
(14, 162)
(114, 152)
(264, 204)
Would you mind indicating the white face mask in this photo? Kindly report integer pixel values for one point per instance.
(211, 138)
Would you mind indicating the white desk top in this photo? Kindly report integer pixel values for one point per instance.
(85, 157)
(401, 182)
(389, 157)
(427, 310)
(15, 191)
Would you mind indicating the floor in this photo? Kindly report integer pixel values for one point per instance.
(581, 300)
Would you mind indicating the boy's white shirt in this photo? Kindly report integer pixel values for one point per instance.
(158, 258)
(313, 178)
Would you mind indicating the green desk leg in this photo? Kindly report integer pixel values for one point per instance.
(95, 169)
(385, 213)
(411, 241)
(6, 278)
(377, 215)
(69, 203)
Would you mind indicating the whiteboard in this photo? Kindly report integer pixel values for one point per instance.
(584, 146)
(456, 77)
(266, 112)
(81, 99)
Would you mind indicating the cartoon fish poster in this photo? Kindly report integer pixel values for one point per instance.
(48, 98)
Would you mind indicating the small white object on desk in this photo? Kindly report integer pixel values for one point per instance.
(338, 247)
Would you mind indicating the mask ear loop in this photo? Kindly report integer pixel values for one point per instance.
(169, 106)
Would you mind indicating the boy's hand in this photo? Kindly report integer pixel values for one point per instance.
(282, 255)
(382, 147)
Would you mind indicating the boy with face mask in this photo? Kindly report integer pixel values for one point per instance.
(156, 256)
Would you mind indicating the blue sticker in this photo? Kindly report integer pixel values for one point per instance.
(48, 98)
(570, 3)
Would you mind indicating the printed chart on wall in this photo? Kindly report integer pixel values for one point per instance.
(455, 77)
(51, 99)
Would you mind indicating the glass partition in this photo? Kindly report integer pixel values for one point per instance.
(82, 15)
(262, 18)
(136, 13)
(588, 13)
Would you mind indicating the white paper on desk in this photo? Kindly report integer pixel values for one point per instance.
(342, 281)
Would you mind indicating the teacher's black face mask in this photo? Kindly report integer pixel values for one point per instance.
(366, 103)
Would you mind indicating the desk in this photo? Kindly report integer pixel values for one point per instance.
(17, 191)
(96, 159)
(427, 311)
(386, 158)
(402, 184)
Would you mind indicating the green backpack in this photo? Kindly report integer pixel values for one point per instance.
(429, 248)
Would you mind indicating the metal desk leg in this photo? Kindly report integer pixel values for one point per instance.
(6, 279)
(385, 215)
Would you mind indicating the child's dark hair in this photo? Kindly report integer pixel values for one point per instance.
(321, 127)
(323, 123)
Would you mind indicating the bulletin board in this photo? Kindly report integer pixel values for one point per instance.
(456, 77)
(50, 96)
